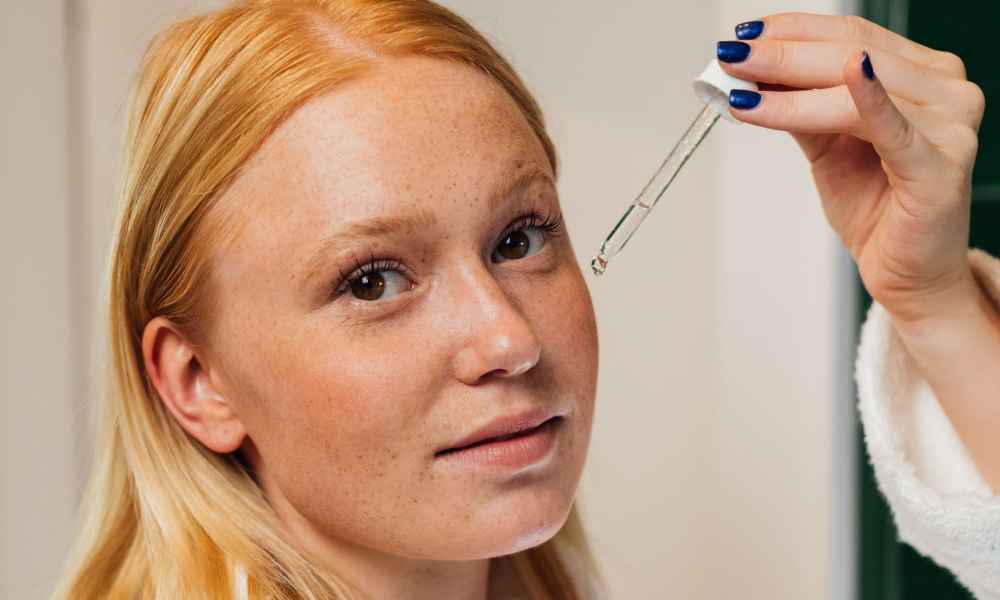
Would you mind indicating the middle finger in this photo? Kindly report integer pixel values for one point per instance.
(822, 111)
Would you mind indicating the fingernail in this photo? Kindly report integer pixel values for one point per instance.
(744, 99)
(732, 52)
(866, 67)
(750, 30)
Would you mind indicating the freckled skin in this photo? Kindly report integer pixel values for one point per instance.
(344, 402)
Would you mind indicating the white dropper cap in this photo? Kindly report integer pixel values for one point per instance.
(713, 87)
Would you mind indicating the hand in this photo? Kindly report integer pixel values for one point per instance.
(892, 140)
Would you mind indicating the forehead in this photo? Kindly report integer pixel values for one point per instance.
(412, 133)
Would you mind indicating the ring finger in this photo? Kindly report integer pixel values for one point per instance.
(808, 65)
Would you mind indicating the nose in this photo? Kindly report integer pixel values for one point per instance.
(497, 340)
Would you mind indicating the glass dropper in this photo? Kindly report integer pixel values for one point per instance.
(654, 190)
(713, 87)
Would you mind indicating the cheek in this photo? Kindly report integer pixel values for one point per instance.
(342, 435)
(308, 395)
(583, 332)
(584, 349)
(339, 398)
(564, 319)
(569, 329)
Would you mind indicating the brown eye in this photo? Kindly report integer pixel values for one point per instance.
(515, 245)
(520, 243)
(376, 281)
(368, 287)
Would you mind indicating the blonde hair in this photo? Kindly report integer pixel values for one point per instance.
(164, 517)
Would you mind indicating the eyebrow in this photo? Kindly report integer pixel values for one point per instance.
(389, 225)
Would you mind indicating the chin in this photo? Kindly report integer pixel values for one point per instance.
(483, 517)
(535, 536)
(524, 524)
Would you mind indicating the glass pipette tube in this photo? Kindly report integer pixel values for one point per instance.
(654, 190)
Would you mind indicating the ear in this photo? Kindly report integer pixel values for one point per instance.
(186, 388)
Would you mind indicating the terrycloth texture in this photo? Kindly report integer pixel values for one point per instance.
(940, 502)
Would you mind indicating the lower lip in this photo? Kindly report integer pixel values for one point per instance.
(516, 452)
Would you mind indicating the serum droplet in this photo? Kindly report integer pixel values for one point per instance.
(599, 265)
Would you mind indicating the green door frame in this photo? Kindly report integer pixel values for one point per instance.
(887, 568)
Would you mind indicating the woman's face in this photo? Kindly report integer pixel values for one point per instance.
(349, 389)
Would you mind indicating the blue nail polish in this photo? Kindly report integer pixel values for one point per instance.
(744, 99)
(866, 67)
(750, 30)
(732, 52)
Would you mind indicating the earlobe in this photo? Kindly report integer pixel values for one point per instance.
(185, 387)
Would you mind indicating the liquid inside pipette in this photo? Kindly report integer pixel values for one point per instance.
(654, 190)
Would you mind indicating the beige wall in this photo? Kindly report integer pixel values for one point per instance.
(777, 323)
(720, 450)
(38, 448)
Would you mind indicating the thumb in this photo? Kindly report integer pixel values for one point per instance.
(894, 137)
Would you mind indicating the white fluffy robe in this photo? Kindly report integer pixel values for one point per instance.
(940, 502)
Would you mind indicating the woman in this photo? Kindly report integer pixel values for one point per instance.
(354, 355)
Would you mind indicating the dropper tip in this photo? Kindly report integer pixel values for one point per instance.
(599, 265)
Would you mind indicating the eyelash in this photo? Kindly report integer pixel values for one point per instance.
(361, 269)
(552, 225)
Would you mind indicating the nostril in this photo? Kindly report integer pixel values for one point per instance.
(519, 369)
(495, 372)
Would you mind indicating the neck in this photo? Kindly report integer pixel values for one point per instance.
(380, 575)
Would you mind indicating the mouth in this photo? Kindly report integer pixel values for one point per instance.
(548, 424)
(514, 449)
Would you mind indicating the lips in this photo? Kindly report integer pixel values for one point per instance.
(504, 427)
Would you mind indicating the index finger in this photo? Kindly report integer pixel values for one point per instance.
(804, 27)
